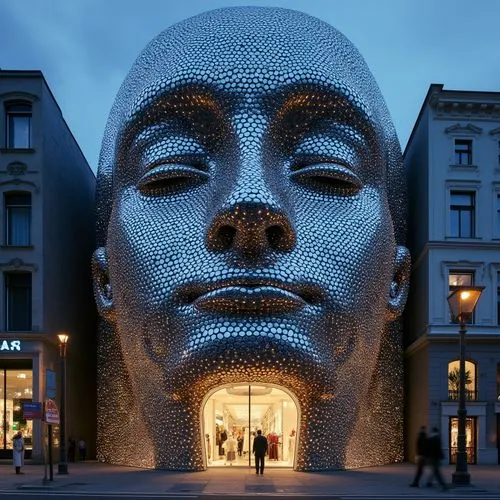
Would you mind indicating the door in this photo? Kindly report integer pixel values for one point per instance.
(470, 439)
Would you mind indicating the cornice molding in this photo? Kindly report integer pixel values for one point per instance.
(20, 182)
(495, 131)
(468, 129)
(19, 96)
(449, 106)
(18, 264)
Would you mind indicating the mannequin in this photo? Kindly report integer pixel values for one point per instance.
(231, 445)
(209, 447)
(291, 446)
(272, 439)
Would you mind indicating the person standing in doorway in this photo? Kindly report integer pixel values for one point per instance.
(82, 449)
(421, 456)
(434, 456)
(71, 449)
(18, 452)
(259, 449)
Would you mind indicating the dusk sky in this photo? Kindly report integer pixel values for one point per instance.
(86, 47)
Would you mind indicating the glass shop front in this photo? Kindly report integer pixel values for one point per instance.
(16, 388)
(24, 364)
(470, 439)
(233, 414)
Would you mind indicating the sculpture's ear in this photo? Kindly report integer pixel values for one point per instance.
(102, 287)
(400, 283)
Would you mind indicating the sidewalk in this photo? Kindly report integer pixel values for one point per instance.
(93, 477)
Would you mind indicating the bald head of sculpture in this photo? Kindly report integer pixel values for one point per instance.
(251, 223)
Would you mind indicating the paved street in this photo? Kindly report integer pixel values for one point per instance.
(68, 496)
(95, 480)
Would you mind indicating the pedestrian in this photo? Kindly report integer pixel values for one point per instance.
(82, 449)
(421, 455)
(259, 449)
(434, 457)
(71, 449)
(18, 452)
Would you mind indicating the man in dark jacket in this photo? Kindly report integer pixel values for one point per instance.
(259, 450)
(434, 457)
(421, 455)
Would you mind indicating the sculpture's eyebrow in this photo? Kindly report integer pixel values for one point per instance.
(302, 107)
(192, 105)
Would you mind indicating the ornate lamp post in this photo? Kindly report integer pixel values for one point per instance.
(62, 467)
(462, 302)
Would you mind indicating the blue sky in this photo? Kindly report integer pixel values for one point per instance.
(86, 47)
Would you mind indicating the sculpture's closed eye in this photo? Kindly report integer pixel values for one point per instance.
(169, 178)
(328, 177)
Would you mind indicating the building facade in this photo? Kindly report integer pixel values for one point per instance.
(452, 161)
(46, 240)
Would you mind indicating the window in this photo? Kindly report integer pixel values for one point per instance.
(499, 153)
(498, 381)
(463, 151)
(498, 298)
(454, 380)
(497, 218)
(18, 125)
(460, 278)
(18, 301)
(18, 219)
(462, 214)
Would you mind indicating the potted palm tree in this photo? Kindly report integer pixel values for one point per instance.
(454, 384)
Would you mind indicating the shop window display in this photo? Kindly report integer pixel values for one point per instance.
(16, 389)
(470, 439)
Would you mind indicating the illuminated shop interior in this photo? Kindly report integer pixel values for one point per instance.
(231, 417)
(16, 388)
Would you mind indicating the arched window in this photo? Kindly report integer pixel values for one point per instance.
(18, 126)
(454, 380)
(17, 218)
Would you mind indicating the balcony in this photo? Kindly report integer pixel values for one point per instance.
(469, 395)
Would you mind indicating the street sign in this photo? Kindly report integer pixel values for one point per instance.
(32, 411)
(51, 412)
(50, 384)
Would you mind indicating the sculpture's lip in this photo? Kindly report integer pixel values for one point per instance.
(251, 295)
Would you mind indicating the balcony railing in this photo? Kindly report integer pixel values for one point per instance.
(469, 395)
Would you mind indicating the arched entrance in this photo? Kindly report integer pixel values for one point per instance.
(233, 413)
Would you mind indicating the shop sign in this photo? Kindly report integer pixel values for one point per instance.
(10, 345)
(32, 411)
(51, 412)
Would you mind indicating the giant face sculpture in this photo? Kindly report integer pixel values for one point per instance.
(250, 221)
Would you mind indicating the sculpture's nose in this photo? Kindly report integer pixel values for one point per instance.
(250, 222)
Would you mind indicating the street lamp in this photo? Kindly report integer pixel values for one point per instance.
(462, 302)
(62, 467)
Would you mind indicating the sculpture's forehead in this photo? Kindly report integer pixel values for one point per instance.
(249, 47)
